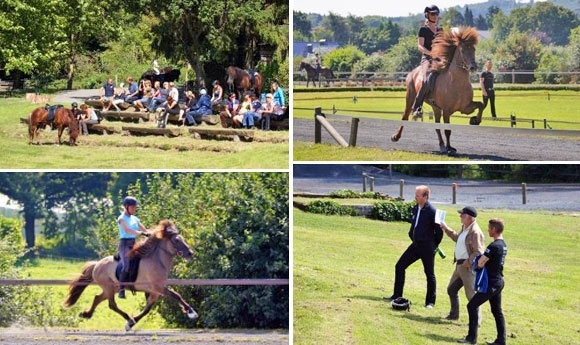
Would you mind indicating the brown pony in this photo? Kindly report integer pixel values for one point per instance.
(63, 118)
(157, 254)
(239, 80)
(312, 74)
(453, 53)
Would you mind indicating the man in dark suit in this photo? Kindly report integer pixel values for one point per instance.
(425, 235)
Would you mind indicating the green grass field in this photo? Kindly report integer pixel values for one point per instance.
(130, 152)
(559, 108)
(344, 266)
(103, 318)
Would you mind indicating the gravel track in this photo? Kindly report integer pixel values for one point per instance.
(471, 142)
(21, 336)
(323, 179)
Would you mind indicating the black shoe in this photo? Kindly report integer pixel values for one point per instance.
(122, 293)
(493, 343)
(451, 317)
(467, 341)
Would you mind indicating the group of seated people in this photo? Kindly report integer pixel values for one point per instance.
(164, 101)
(251, 110)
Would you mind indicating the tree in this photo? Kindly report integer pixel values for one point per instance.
(451, 18)
(38, 193)
(343, 59)
(404, 56)
(301, 24)
(574, 48)
(238, 225)
(338, 26)
(519, 52)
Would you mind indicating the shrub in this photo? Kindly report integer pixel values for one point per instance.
(391, 211)
(330, 208)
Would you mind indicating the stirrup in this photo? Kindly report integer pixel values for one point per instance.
(122, 293)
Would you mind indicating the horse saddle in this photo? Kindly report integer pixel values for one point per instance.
(52, 110)
(133, 269)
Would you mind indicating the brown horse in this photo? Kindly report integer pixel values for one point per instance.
(63, 118)
(240, 80)
(157, 254)
(453, 53)
(166, 74)
(313, 75)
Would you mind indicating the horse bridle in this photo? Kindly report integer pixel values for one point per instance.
(462, 64)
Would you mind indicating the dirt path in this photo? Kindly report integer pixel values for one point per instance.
(18, 336)
(471, 142)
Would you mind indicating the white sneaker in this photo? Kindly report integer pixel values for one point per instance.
(429, 306)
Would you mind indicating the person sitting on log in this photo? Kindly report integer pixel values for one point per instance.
(194, 115)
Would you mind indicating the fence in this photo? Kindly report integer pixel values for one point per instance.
(196, 282)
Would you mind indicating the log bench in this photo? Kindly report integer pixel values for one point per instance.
(235, 134)
(6, 87)
(136, 130)
(133, 116)
(101, 128)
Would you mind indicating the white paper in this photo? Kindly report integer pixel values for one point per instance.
(439, 216)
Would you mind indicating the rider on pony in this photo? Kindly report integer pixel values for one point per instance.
(129, 228)
(426, 35)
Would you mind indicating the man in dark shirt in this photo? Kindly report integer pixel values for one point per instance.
(425, 235)
(493, 259)
(486, 82)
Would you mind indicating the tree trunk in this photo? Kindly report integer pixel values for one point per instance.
(29, 229)
(71, 63)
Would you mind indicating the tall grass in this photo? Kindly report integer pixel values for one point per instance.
(344, 266)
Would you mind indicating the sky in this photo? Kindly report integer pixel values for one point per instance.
(375, 7)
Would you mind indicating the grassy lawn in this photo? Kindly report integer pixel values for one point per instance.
(131, 152)
(557, 107)
(103, 318)
(343, 266)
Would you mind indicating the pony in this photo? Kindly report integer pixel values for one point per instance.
(240, 80)
(157, 253)
(166, 74)
(453, 53)
(63, 118)
(313, 75)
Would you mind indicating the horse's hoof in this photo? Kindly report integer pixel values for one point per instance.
(192, 314)
(443, 150)
(130, 325)
(473, 121)
(394, 139)
(451, 151)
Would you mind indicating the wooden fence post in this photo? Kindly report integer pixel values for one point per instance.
(524, 193)
(454, 193)
(317, 127)
(353, 131)
(364, 180)
(372, 181)
(401, 185)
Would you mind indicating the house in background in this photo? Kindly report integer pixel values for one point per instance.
(308, 49)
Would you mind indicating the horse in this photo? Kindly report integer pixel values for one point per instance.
(453, 53)
(240, 80)
(63, 118)
(157, 253)
(313, 74)
(166, 74)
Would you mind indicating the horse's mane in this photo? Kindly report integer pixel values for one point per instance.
(445, 43)
(164, 231)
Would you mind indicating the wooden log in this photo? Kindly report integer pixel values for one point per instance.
(136, 130)
(236, 134)
(102, 128)
(283, 124)
(125, 115)
(96, 103)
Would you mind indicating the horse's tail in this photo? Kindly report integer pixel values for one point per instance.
(79, 284)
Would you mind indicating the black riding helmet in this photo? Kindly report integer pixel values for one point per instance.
(129, 201)
(431, 9)
(74, 105)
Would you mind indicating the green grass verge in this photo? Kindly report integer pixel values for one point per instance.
(129, 152)
(343, 266)
(103, 318)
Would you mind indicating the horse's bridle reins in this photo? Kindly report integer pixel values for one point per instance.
(462, 64)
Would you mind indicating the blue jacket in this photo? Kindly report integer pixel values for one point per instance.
(203, 106)
(481, 279)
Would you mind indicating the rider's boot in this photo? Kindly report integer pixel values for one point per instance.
(122, 278)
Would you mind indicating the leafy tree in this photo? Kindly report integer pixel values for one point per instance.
(451, 18)
(489, 16)
(519, 52)
(404, 56)
(301, 24)
(380, 38)
(480, 23)
(38, 193)
(343, 59)
(574, 49)
(554, 59)
(238, 224)
(338, 26)
(468, 17)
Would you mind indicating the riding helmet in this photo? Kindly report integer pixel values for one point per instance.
(74, 105)
(431, 9)
(129, 201)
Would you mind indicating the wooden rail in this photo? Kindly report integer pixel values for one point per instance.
(181, 282)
